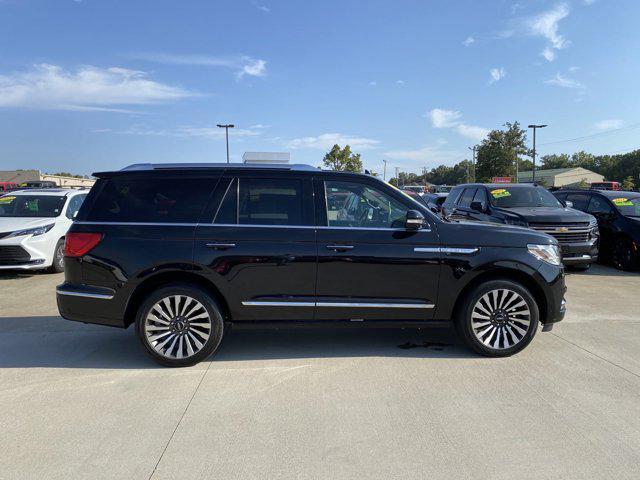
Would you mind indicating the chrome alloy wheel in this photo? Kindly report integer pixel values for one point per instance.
(500, 319)
(177, 326)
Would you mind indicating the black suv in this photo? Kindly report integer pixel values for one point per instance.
(618, 215)
(532, 206)
(183, 251)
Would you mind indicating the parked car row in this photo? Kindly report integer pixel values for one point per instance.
(33, 226)
(11, 186)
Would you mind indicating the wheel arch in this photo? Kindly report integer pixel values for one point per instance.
(505, 274)
(154, 282)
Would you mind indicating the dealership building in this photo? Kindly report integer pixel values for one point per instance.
(561, 177)
(21, 176)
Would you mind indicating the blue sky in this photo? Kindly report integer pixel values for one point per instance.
(95, 85)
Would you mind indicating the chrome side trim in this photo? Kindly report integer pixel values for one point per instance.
(140, 224)
(277, 304)
(337, 304)
(375, 305)
(72, 293)
(373, 229)
(454, 250)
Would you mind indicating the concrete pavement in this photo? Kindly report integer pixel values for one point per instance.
(82, 401)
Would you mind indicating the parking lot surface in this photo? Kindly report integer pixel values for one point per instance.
(82, 401)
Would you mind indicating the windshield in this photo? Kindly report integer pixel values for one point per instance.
(510, 197)
(629, 207)
(31, 205)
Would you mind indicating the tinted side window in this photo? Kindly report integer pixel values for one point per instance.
(365, 206)
(579, 200)
(74, 205)
(162, 200)
(481, 197)
(228, 211)
(452, 198)
(467, 197)
(599, 205)
(270, 201)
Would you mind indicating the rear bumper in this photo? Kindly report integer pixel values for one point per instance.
(88, 304)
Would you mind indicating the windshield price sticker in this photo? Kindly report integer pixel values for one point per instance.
(7, 199)
(622, 202)
(500, 192)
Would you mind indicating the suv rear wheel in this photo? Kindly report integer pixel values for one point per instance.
(624, 256)
(179, 325)
(498, 318)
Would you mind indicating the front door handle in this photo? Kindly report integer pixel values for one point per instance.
(220, 246)
(340, 248)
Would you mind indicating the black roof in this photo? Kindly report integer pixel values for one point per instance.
(606, 193)
(498, 185)
(185, 167)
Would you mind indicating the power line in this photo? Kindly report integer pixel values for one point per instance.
(594, 135)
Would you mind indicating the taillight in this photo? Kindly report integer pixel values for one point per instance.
(78, 244)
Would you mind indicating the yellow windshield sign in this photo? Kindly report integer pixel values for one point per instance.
(7, 199)
(622, 202)
(500, 192)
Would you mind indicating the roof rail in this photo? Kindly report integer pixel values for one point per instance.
(225, 166)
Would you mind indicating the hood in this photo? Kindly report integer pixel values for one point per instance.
(549, 214)
(472, 233)
(11, 224)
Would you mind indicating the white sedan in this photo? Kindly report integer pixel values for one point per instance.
(33, 224)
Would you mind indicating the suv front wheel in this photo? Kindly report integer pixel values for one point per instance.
(498, 318)
(179, 325)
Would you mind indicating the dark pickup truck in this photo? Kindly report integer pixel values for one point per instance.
(531, 206)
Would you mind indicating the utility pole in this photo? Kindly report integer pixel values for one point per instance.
(384, 171)
(226, 131)
(398, 176)
(473, 161)
(533, 172)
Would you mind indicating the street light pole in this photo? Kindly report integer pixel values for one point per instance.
(533, 171)
(384, 171)
(473, 161)
(226, 131)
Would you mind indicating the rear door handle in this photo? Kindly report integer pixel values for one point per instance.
(220, 246)
(340, 248)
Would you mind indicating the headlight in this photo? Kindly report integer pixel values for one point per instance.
(593, 228)
(546, 253)
(32, 231)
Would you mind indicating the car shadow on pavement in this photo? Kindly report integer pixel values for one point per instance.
(51, 342)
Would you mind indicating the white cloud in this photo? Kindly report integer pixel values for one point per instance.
(609, 124)
(441, 118)
(471, 131)
(212, 132)
(51, 87)
(548, 54)
(497, 74)
(242, 64)
(373, 84)
(545, 25)
(561, 81)
(468, 41)
(400, 82)
(589, 2)
(328, 140)
(574, 69)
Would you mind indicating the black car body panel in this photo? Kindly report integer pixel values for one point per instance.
(318, 269)
(612, 223)
(574, 230)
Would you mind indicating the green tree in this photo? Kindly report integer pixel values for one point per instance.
(342, 159)
(628, 185)
(555, 161)
(498, 153)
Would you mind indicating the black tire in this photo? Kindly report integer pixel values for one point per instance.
(58, 258)
(579, 268)
(506, 324)
(624, 256)
(176, 325)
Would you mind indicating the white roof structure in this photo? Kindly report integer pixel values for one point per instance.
(266, 157)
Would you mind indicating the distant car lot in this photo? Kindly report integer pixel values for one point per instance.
(82, 401)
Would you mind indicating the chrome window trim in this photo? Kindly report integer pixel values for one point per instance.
(72, 293)
(337, 304)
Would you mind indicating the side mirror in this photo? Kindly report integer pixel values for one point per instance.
(414, 220)
(478, 206)
(568, 204)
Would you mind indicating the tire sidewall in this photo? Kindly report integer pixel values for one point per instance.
(463, 322)
(215, 314)
(619, 261)
(55, 266)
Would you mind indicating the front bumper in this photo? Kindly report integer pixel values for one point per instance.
(583, 253)
(27, 252)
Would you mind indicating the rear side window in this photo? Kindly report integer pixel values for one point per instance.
(161, 200)
(481, 197)
(265, 201)
(452, 198)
